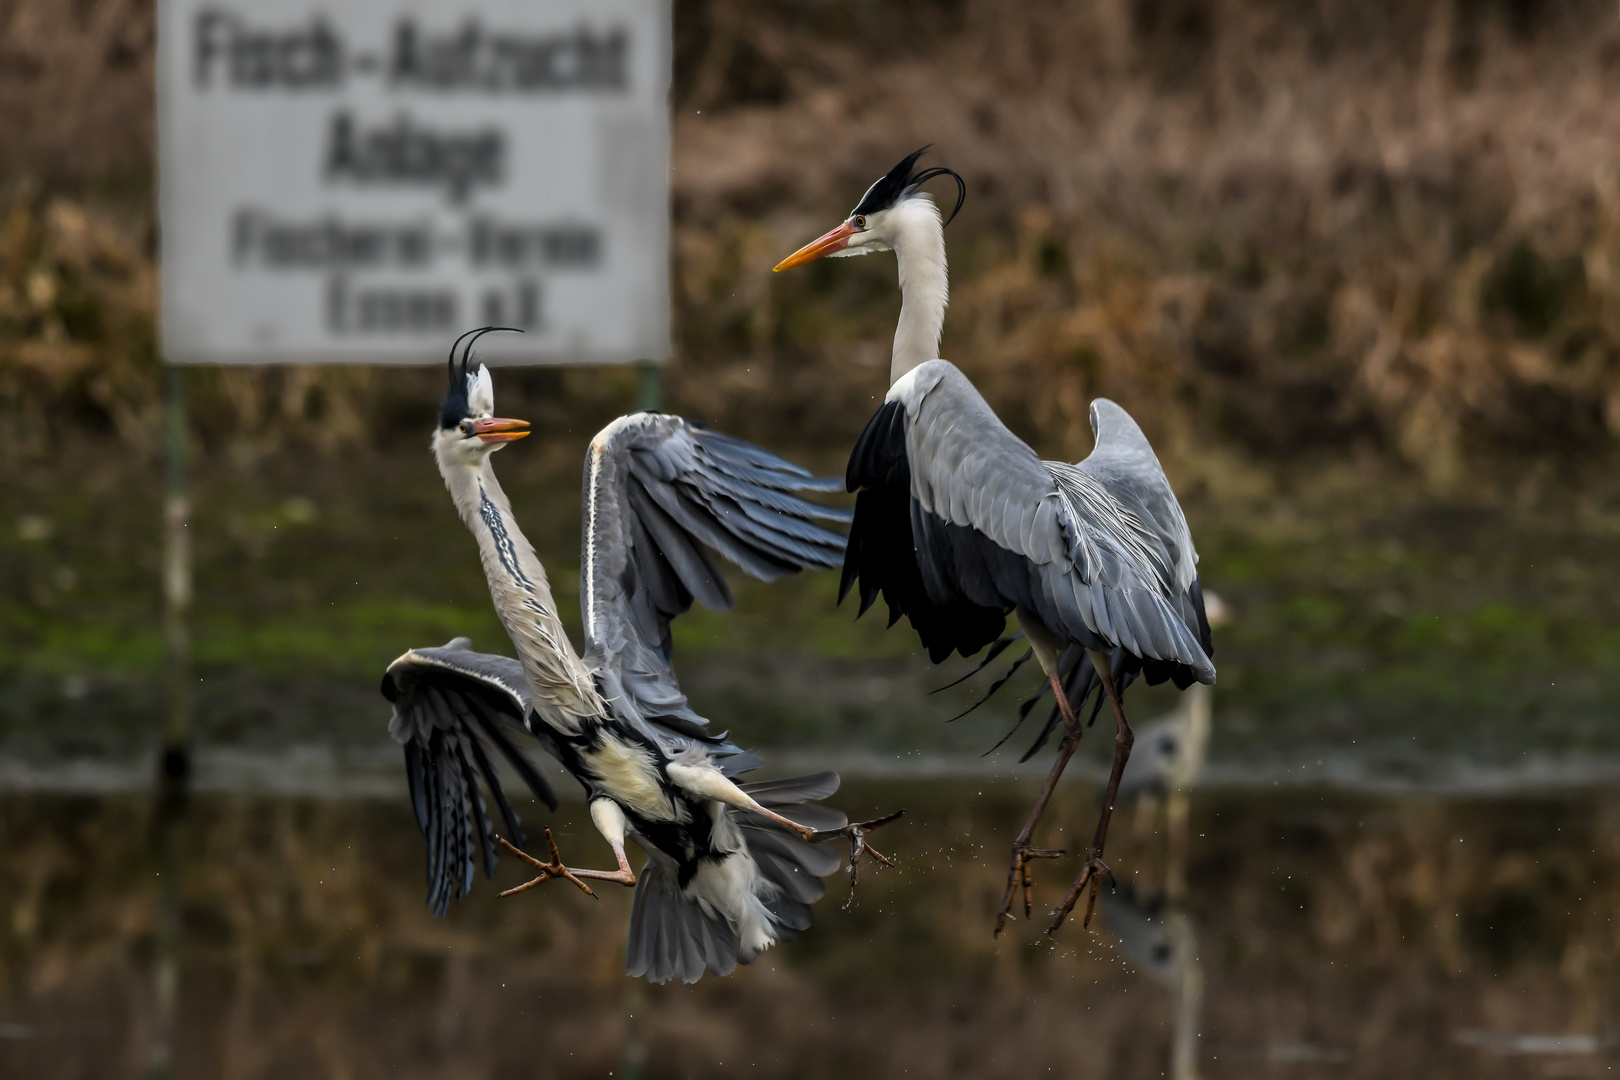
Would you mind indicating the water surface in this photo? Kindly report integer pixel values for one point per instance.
(1319, 935)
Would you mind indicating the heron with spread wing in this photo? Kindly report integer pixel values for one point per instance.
(958, 523)
(731, 868)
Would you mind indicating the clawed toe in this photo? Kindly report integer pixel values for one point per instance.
(1018, 876)
(1094, 871)
(858, 844)
(553, 869)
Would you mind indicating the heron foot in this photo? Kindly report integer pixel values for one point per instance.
(1094, 871)
(556, 869)
(858, 846)
(1018, 875)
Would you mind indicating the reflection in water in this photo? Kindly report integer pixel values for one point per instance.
(1165, 764)
(168, 820)
(1156, 934)
(1161, 940)
(1335, 936)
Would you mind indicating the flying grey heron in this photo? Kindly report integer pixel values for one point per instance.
(731, 868)
(958, 523)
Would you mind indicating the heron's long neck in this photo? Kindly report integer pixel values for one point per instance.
(919, 245)
(560, 684)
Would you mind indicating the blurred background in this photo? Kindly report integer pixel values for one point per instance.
(1354, 266)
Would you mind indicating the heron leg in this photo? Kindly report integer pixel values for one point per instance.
(609, 820)
(855, 832)
(858, 845)
(1095, 869)
(709, 782)
(1018, 874)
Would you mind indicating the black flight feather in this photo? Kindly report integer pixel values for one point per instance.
(525, 769)
(892, 541)
(997, 647)
(997, 685)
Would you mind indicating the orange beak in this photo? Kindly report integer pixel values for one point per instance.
(494, 430)
(837, 240)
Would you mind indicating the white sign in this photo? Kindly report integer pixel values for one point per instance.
(362, 181)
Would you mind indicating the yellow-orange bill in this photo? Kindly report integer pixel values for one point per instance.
(495, 430)
(833, 241)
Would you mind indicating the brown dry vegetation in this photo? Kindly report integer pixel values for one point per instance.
(1294, 227)
(1272, 229)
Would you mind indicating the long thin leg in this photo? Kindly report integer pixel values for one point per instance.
(1095, 868)
(610, 822)
(709, 782)
(1018, 874)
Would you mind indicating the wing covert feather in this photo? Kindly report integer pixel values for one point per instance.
(1099, 552)
(661, 497)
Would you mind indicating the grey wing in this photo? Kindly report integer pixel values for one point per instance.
(452, 708)
(661, 496)
(992, 527)
(951, 512)
(1123, 462)
(1130, 505)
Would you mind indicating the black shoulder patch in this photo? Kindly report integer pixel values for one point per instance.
(882, 554)
(880, 446)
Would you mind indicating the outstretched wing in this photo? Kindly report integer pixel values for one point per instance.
(958, 522)
(452, 707)
(1133, 537)
(661, 495)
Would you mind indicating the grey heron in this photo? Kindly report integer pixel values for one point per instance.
(958, 523)
(731, 868)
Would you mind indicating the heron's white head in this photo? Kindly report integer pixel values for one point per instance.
(469, 431)
(891, 210)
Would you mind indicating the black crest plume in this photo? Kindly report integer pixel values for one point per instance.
(900, 181)
(455, 406)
